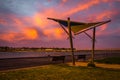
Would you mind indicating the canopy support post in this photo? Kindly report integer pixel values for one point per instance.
(91, 63)
(71, 42)
(93, 45)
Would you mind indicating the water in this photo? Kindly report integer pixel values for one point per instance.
(45, 54)
(33, 54)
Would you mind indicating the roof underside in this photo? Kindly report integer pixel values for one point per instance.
(78, 27)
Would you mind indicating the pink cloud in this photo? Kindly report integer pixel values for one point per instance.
(49, 28)
(26, 31)
(3, 22)
(64, 1)
(26, 34)
(105, 15)
(56, 33)
(107, 33)
(81, 7)
(21, 30)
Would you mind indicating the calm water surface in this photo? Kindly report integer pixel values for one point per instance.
(44, 54)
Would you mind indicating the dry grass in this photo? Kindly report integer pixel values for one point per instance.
(60, 72)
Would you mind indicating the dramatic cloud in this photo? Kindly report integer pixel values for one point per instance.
(25, 22)
(80, 7)
(27, 34)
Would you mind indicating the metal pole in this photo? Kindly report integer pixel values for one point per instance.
(71, 42)
(93, 45)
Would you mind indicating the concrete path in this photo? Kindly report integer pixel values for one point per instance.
(10, 64)
(111, 66)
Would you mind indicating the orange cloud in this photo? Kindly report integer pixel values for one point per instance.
(40, 20)
(30, 33)
(7, 36)
(55, 33)
(26, 34)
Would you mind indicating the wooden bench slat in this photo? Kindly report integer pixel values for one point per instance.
(58, 58)
(81, 57)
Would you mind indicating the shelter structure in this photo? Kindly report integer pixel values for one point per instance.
(77, 28)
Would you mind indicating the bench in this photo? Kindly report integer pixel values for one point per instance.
(81, 57)
(58, 58)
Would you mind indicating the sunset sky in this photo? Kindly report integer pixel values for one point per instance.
(24, 23)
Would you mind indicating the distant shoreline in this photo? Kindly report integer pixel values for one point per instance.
(43, 49)
(59, 51)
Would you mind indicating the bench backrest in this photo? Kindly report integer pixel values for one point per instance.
(58, 58)
(81, 57)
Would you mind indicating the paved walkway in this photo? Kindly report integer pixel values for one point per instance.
(8, 64)
(111, 66)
